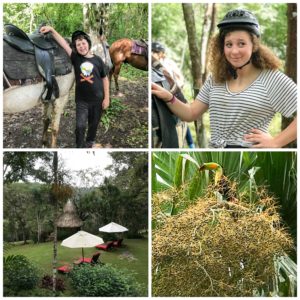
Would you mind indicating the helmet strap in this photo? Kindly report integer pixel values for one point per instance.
(233, 71)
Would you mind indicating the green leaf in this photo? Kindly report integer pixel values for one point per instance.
(197, 186)
(178, 171)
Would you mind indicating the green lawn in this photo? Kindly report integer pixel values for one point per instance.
(133, 256)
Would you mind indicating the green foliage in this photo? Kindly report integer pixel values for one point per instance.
(19, 273)
(27, 212)
(110, 116)
(36, 292)
(64, 17)
(276, 170)
(125, 19)
(104, 281)
(19, 166)
(128, 20)
(131, 73)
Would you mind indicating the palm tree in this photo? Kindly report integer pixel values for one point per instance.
(274, 170)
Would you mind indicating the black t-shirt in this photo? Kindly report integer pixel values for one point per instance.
(89, 74)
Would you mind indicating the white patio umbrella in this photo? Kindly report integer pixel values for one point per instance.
(113, 227)
(82, 239)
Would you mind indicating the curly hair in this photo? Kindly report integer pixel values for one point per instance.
(262, 57)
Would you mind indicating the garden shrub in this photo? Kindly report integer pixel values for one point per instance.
(103, 280)
(36, 292)
(19, 273)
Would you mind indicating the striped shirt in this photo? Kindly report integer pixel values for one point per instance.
(232, 115)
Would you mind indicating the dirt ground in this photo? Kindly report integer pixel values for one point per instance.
(128, 130)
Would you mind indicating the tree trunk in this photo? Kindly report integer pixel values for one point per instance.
(291, 49)
(209, 24)
(39, 229)
(55, 213)
(195, 54)
(291, 55)
(24, 236)
(95, 17)
(189, 19)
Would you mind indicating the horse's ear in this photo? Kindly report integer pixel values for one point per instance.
(101, 31)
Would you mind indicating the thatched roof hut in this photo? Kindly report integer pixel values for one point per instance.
(69, 218)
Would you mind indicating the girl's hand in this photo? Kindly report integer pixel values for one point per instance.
(160, 92)
(46, 29)
(261, 139)
(105, 103)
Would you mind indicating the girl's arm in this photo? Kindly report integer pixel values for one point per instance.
(265, 140)
(185, 111)
(60, 40)
(105, 102)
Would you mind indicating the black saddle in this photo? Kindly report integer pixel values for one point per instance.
(42, 47)
(164, 122)
(26, 43)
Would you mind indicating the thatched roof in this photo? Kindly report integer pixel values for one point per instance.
(69, 218)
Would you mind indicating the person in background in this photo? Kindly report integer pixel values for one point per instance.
(159, 52)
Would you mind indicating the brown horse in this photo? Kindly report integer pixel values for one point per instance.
(128, 51)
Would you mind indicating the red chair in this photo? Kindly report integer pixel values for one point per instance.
(87, 260)
(117, 243)
(105, 246)
(64, 269)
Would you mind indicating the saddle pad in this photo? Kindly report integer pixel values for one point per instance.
(141, 43)
(139, 49)
(18, 65)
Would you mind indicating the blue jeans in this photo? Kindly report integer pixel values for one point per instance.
(87, 113)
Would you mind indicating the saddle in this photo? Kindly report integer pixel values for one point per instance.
(167, 130)
(34, 54)
(140, 47)
(164, 134)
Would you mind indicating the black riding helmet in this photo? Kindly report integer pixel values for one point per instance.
(79, 33)
(157, 47)
(240, 19)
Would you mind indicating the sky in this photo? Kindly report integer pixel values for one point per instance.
(78, 160)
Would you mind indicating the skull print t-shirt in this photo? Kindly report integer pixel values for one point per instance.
(89, 74)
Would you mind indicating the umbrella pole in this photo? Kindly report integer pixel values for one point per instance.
(82, 254)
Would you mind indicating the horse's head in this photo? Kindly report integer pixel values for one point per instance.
(101, 48)
(156, 65)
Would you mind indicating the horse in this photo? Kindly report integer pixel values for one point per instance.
(167, 130)
(20, 98)
(128, 51)
(25, 88)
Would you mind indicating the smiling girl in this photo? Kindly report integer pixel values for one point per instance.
(243, 92)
